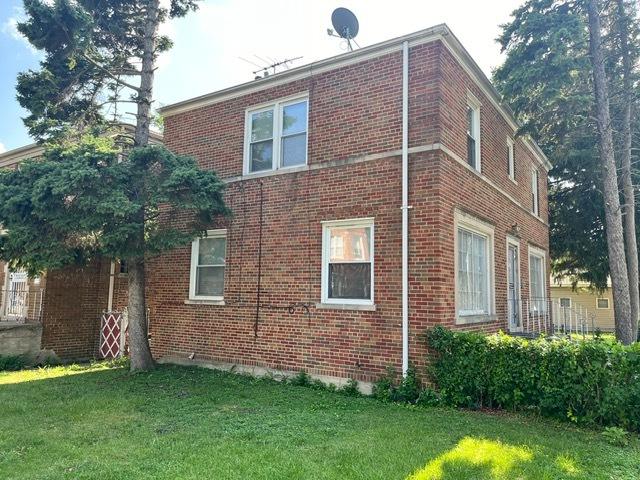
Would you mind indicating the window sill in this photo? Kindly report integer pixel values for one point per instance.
(279, 171)
(195, 301)
(346, 306)
(473, 319)
(513, 180)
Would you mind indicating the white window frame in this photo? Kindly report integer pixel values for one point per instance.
(277, 107)
(535, 192)
(511, 149)
(195, 246)
(467, 222)
(326, 255)
(564, 298)
(608, 307)
(538, 252)
(474, 104)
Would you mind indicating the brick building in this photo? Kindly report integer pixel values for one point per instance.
(308, 272)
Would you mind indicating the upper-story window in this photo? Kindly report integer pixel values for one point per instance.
(276, 136)
(511, 159)
(473, 132)
(535, 200)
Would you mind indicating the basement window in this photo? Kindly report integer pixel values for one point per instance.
(347, 262)
(208, 263)
(276, 136)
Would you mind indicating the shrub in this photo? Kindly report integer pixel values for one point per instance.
(12, 363)
(350, 388)
(407, 390)
(589, 382)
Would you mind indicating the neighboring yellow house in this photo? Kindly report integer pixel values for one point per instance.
(597, 305)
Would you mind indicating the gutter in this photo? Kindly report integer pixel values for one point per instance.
(405, 208)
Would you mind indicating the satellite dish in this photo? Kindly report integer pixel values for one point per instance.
(345, 23)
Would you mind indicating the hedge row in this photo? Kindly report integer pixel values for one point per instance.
(591, 381)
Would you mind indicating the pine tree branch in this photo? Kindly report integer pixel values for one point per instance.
(109, 73)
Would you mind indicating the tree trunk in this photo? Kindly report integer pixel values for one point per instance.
(613, 214)
(141, 358)
(145, 96)
(631, 244)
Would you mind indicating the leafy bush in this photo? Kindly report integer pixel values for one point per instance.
(388, 389)
(616, 436)
(591, 382)
(12, 363)
(350, 389)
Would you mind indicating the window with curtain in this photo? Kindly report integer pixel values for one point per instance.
(277, 136)
(537, 282)
(473, 279)
(348, 262)
(208, 263)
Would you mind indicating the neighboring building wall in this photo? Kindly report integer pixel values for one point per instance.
(586, 299)
(74, 301)
(355, 172)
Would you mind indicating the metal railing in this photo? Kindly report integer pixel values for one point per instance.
(23, 306)
(548, 316)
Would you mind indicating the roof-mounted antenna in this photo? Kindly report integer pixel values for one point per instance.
(270, 68)
(345, 26)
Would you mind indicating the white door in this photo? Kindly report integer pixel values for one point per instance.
(17, 296)
(513, 289)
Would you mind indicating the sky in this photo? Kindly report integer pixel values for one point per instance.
(222, 43)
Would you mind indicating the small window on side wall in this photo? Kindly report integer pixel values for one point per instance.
(602, 303)
(511, 159)
(565, 302)
(208, 262)
(276, 136)
(347, 262)
(535, 200)
(473, 132)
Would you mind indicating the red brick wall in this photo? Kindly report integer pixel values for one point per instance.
(354, 111)
(74, 300)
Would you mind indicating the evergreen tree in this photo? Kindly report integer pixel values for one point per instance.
(100, 54)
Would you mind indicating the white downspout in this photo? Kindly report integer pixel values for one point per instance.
(405, 208)
(112, 274)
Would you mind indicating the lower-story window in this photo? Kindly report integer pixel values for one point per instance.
(474, 267)
(537, 282)
(208, 265)
(347, 262)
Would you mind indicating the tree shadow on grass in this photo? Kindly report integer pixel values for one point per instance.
(477, 458)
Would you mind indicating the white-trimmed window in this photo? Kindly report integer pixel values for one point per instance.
(535, 201)
(565, 302)
(537, 279)
(276, 135)
(473, 132)
(511, 159)
(474, 267)
(208, 261)
(347, 262)
(602, 303)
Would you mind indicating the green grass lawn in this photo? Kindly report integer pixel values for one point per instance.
(176, 422)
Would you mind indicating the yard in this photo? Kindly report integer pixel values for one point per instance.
(101, 422)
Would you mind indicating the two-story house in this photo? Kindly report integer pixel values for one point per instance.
(375, 194)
